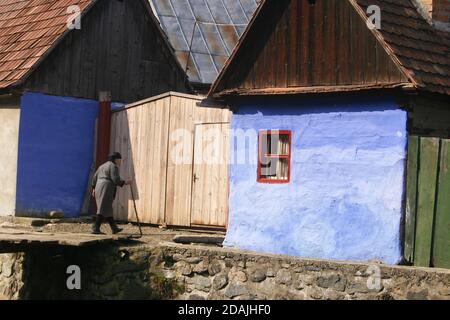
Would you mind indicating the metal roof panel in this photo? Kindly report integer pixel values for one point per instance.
(218, 24)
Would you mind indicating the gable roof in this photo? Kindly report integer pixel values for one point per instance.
(421, 52)
(218, 26)
(29, 28)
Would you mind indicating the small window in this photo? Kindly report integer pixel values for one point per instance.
(274, 158)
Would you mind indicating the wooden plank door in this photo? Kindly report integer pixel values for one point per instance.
(210, 175)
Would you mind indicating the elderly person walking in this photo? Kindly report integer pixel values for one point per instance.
(104, 184)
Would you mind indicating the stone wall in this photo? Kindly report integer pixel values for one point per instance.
(11, 276)
(228, 274)
(192, 272)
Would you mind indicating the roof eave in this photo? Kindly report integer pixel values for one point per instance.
(313, 90)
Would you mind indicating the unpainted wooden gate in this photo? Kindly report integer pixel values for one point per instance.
(156, 138)
(427, 225)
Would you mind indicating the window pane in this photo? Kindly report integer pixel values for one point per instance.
(273, 162)
(275, 169)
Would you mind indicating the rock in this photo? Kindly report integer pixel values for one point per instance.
(331, 294)
(7, 268)
(200, 283)
(201, 268)
(177, 257)
(357, 288)
(333, 281)
(214, 267)
(140, 257)
(56, 214)
(235, 290)
(258, 275)
(298, 284)
(417, 295)
(237, 275)
(315, 293)
(193, 260)
(195, 296)
(220, 281)
(312, 268)
(283, 277)
(169, 274)
(270, 272)
(184, 268)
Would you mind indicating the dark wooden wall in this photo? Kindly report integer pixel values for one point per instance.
(118, 49)
(296, 44)
(429, 115)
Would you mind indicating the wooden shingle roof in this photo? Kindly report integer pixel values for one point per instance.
(28, 30)
(420, 48)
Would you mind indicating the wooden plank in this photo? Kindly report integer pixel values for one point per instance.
(210, 188)
(441, 240)
(179, 174)
(292, 64)
(429, 150)
(222, 206)
(411, 197)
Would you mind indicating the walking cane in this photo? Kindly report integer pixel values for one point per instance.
(136, 213)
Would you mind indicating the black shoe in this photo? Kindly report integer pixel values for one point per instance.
(116, 230)
(97, 224)
(97, 232)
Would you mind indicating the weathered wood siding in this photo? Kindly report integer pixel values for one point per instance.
(118, 49)
(295, 44)
(153, 136)
(430, 115)
(427, 231)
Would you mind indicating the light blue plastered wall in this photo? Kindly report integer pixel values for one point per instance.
(345, 197)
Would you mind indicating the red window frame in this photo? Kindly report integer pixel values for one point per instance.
(262, 133)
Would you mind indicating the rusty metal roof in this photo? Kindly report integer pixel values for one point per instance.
(218, 25)
(422, 50)
(28, 30)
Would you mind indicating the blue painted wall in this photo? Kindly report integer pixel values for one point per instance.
(56, 146)
(344, 200)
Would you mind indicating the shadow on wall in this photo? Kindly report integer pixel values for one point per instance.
(105, 273)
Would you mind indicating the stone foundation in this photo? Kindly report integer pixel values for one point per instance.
(11, 276)
(192, 272)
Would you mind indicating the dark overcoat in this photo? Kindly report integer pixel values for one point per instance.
(105, 182)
